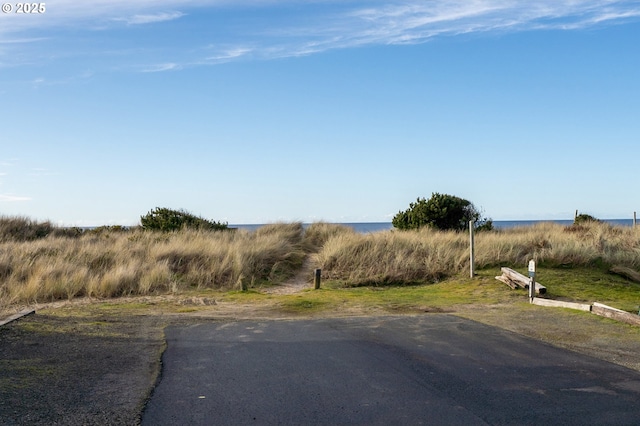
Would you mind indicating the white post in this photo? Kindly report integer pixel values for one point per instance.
(471, 248)
(532, 283)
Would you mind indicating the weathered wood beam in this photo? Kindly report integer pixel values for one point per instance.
(14, 317)
(522, 280)
(628, 273)
(507, 281)
(615, 314)
(560, 304)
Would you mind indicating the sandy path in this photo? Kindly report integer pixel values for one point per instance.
(302, 280)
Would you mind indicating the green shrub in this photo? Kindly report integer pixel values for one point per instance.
(585, 218)
(105, 229)
(164, 219)
(441, 211)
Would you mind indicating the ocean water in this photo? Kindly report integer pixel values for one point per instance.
(367, 227)
(363, 228)
(504, 224)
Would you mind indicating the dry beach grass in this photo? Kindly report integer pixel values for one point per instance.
(106, 264)
(430, 255)
(113, 264)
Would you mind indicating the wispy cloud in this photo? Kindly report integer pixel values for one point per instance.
(417, 22)
(283, 28)
(21, 40)
(226, 54)
(150, 18)
(9, 198)
(365, 23)
(96, 14)
(162, 67)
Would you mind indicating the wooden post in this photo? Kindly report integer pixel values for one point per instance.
(634, 219)
(532, 277)
(318, 275)
(471, 249)
(576, 215)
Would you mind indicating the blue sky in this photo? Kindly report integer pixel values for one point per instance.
(261, 111)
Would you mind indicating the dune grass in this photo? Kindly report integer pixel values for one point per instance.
(53, 265)
(393, 257)
(140, 262)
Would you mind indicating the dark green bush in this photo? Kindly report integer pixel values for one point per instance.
(585, 218)
(441, 211)
(164, 219)
(109, 229)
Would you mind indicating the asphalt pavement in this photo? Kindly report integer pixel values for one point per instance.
(433, 369)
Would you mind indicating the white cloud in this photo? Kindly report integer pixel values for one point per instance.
(8, 198)
(162, 67)
(416, 22)
(411, 22)
(612, 16)
(305, 30)
(96, 14)
(151, 18)
(228, 54)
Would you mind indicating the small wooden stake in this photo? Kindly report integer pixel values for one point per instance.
(471, 249)
(318, 274)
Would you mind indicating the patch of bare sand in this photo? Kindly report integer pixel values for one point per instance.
(302, 280)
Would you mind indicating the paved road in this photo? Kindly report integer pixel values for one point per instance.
(431, 369)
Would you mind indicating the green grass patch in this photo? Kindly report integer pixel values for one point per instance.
(590, 285)
(453, 291)
(75, 325)
(303, 304)
(582, 284)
